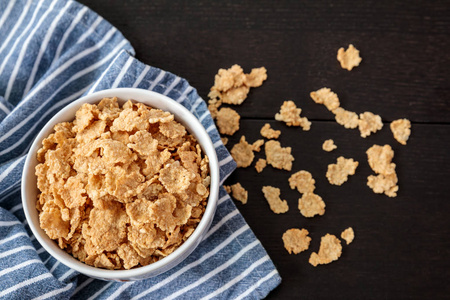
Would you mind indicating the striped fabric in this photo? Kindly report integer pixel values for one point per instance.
(51, 53)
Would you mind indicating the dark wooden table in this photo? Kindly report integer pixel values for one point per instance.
(402, 245)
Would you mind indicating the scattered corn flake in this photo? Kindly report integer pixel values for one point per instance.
(290, 114)
(329, 251)
(256, 77)
(338, 173)
(348, 235)
(227, 188)
(296, 240)
(386, 184)
(256, 146)
(214, 104)
(369, 123)
(346, 118)
(227, 120)
(224, 140)
(329, 145)
(242, 153)
(260, 165)
(380, 159)
(278, 156)
(302, 181)
(349, 58)
(235, 95)
(239, 193)
(227, 79)
(401, 129)
(272, 196)
(326, 97)
(310, 205)
(269, 133)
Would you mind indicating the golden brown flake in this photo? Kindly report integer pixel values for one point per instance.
(349, 58)
(242, 153)
(329, 145)
(369, 123)
(348, 235)
(213, 105)
(310, 205)
(269, 133)
(326, 97)
(290, 114)
(380, 159)
(296, 240)
(338, 173)
(224, 140)
(401, 129)
(260, 165)
(256, 146)
(239, 193)
(329, 251)
(386, 184)
(302, 181)
(256, 77)
(228, 121)
(346, 118)
(272, 196)
(278, 156)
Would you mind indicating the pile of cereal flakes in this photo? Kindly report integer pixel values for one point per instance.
(121, 187)
(231, 87)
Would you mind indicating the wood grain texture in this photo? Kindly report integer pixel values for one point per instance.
(402, 245)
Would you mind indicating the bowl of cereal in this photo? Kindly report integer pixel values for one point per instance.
(121, 184)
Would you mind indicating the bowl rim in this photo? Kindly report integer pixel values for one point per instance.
(181, 114)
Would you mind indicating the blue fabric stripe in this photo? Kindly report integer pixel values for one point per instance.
(93, 56)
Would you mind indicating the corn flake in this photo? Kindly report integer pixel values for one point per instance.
(369, 123)
(348, 235)
(326, 97)
(329, 145)
(242, 153)
(296, 240)
(272, 196)
(302, 181)
(386, 184)
(260, 165)
(346, 118)
(310, 205)
(338, 173)
(329, 251)
(290, 114)
(227, 120)
(349, 58)
(239, 193)
(401, 129)
(256, 146)
(380, 159)
(269, 133)
(278, 156)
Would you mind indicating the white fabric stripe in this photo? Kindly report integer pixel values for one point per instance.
(54, 292)
(69, 30)
(12, 49)
(141, 76)
(43, 48)
(204, 116)
(19, 234)
(237, 278)
(67, 274)
(225, 160)
(256, 285)
(15, 250)
(15, 208)
(25, 223)
(211, 253)
(223, 199)
(182, 96)
(218, 144)
(32, 238)
(172, 85)
(10, 168)
(214, 272)
(4, 108)
(210, 128)
(157, 80)
(49, 111)
(68, 64)
(14, 188)
(81, 286)
(122, 72)
(41, 250)
(100, 291)
(16, 25)
(25, 283)
(90, 30)
(95, 85)
(54, 266)
(74, 77)
(119, 291)
(6, 13)
(196, 103)
(8, 223)
(46, 261)
(24, 46)
(221, 222)
(19, 266)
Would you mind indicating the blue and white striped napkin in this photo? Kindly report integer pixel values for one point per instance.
(51, 53)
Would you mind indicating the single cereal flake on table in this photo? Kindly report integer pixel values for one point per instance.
(369, 123)
(328, 145)
(348, 235)
(401, 129)
(380, 159)
(239, 193)
(290, 114)
(242, 153)
(272, 195)
(260, 165)
(311, 205)
(348, 119)
(302, 181)
(338, 173)
(349, 58)
(224, 140)
(227, 120)
(386, 184)
(256, 146)
(277, 156)
(256, 77)
(296, 240)
(326, 97)
(329, 251)
(269, 133)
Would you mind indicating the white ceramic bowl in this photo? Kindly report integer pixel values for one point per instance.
(182, 115)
